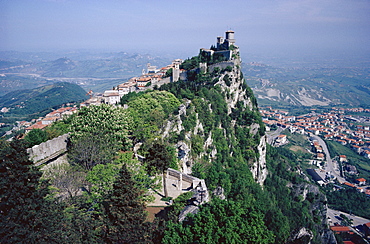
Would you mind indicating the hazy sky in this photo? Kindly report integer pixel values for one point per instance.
(286, 26)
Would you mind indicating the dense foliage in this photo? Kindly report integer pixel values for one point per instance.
(113, 123)
(220, 222)
(25, 213)
(35, 137)
(125, 212)
(289, 210)
(149, 111)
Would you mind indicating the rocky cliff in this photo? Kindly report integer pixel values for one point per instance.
(220, 137)
(194, 129)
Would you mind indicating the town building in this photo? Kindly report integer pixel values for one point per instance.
(281, 139)
(342, 158)
(361, 181)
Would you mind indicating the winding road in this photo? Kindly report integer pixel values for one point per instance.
(330, 165)
(357, 220)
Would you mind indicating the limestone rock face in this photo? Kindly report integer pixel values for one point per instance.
(183, 152)
(302, 236)
(259, 168)
(237, 94)
(318, 208)
(230, 79)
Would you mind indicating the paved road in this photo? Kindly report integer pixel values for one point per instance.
(330, 166)
(357, 220)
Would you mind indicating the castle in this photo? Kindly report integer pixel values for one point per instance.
(224, 49)
(224, 46)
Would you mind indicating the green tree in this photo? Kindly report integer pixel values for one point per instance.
(220, 222)
(92, 149)
(138, 170)
(25, 214)
(85, 224)
(159, 160)
(35, 137)
(112, 124)
(149, 111)
(168, 73)
(125, 212)
(101, 178)
(58, 128)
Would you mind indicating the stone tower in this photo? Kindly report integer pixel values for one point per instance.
(225, 43)
(220, 42)
(176, 70)
(230, 37)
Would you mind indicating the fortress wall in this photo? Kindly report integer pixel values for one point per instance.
(221, 65)
(48, 148)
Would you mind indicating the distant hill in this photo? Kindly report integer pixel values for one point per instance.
(91, 70)
(24, 103)
(85, 65)
(309, 86)
(59, 66)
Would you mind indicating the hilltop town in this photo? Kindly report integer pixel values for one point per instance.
(151, 77)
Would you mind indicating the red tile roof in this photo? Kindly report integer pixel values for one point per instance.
(348, 242)
(144, 79)
(349, 184)
(38, 125)
(339, 228)
(361, 180)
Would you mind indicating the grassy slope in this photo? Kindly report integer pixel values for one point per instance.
(362, 164)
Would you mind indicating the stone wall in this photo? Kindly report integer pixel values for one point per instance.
(221, 65)
(48, 150)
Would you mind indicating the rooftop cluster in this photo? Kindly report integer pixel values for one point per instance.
(149, 78)
(335, 125)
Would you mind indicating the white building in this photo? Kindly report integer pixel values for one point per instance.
(111, 97)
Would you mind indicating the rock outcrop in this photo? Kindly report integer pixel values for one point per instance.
(228, 76)
(259, 168)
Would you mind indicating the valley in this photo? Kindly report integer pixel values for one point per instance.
(211, 131)
(309, 86)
